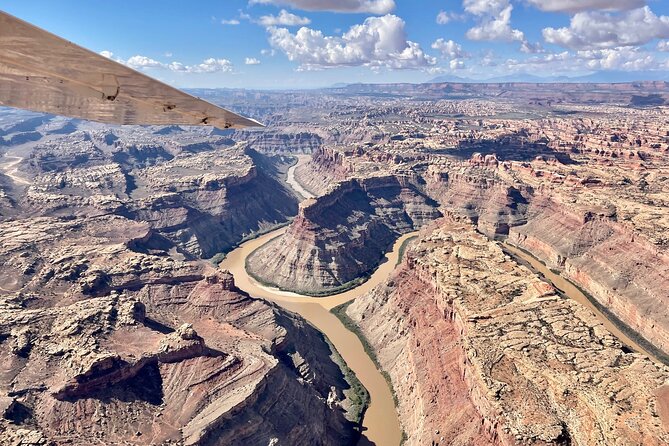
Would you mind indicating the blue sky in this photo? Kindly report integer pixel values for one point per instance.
(313, 43)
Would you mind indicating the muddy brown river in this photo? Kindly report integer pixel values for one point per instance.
(572, 292)
(380, 425)
(297, 187)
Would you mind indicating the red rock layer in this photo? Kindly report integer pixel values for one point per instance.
(423, 353)
(621, 269)
(104, 344)
(462, 326)
(342, 234)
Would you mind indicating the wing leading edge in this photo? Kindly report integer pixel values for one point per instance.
(40, 71)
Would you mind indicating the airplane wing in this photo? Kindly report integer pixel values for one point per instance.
(39, 71)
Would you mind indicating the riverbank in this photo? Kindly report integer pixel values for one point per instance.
(380, 424)
(292, 181)
(613, 324)
(353, 285)
(218, 258)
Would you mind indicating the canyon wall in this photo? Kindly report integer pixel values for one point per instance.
(342, 234)
(105, 341)
(616, 265)
(326, 167)
(270, 141)
(207, 214)
(561, 213)
(480, 351)
(203, 201)
(332, 164)
(480, 190)
(573, 227)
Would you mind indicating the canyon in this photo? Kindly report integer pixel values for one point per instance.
(474, 330)
(168, 284)
(575, 201)
(150, 348)
(114, 329)
(342, 235)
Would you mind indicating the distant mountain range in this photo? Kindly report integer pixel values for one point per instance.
(597, 77)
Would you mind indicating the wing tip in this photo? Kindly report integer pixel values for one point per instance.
(242, 122)
(254, 123)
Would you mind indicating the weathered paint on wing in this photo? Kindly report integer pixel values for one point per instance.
(43, 72)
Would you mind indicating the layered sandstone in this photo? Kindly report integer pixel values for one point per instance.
(332, 164)
(482, 352)
(203, 194)
(593, 249)
(482, 192)
(326, 167)
(278, 141)
(105, 340)
(343, 234)
(574, 174)
(208, 202)
(603, 227)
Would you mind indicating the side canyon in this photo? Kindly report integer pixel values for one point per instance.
(118, 326)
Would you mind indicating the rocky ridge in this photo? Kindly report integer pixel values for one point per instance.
(483, 352)
(124, 346)
(580, 220)
(342, 234)
(202, 193)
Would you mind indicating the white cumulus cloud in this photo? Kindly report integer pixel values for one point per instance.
(377, 42)
(230, 22)
(496, 27)
(210, 65)
(594, 30)
(456, 64)
(138, 62)
(251, 61)
(484, 7)
(573, 6)
(625, 59)
(445, 17)
(448, 48)
(365, 6)
(284, 18)
(452, 52)
(609, 59)
(494, 23)
(531, 48)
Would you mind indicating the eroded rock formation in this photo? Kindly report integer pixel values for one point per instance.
(105, 341)
(482, 352)
(343, 234)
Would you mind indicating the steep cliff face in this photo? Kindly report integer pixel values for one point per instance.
(615, 254)
(482, 352)
(207, 214)
(104, 342)
(343, 234)
(203, 203)
(619, 267)
(422, 352)
(480, 191)
(332, 164)
(280, 141)
(326, 167)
